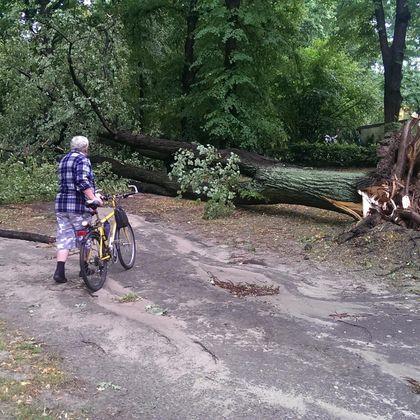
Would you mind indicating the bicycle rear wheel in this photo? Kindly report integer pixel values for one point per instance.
(93, 269)
(126, 246)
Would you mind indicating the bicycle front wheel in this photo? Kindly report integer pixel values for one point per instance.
(126, 246)
(93, 269)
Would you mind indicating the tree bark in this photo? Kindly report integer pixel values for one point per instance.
(309, 187)
(392, 56)
(275, 183)
(164, 149)
(26, 236)
(188, 71)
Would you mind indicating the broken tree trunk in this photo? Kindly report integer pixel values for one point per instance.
(393, 190)
(330, 190)
(275, 182)
(395, 194)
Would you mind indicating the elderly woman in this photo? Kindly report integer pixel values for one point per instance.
(76, 185)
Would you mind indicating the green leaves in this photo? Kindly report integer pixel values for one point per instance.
(27, 181)
(325, 92)
(107, 181)
(40, 104)
(243, 74)
(210, 176)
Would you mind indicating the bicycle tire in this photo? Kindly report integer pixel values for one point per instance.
(128, 232)
(95, 271)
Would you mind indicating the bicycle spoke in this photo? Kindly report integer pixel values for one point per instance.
(93, 268)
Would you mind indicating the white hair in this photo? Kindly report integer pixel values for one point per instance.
(79, 143)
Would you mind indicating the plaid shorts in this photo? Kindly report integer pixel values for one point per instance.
(68, 224)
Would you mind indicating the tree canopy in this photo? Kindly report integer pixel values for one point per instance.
(232, 73)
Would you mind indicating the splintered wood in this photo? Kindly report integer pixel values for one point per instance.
(395, 193)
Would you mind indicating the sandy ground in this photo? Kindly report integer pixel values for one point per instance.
(331, 344)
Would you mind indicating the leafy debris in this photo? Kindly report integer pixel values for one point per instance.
(129, 297)
(244, 289)
(102, 386)
(414, 385)
(156, 310)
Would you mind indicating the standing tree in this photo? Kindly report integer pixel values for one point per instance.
(189, 71)
(392, 55)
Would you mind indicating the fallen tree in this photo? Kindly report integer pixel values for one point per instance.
(392, 191)
(397, 173)
(274, 182)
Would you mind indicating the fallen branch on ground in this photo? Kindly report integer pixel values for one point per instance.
(358, 326)
(244, 289)
(26, 236)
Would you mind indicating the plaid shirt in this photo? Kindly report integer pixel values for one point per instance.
(75, 175)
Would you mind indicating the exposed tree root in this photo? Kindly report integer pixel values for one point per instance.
(395, 192)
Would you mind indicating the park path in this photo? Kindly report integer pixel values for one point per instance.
(326, 346)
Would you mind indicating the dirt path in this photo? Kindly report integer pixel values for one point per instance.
(326, 346)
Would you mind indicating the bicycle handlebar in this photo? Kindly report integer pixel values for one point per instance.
(93, 204)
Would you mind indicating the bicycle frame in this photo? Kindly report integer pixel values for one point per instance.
(99, 226)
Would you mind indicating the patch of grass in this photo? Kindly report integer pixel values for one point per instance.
(40, 372)
(30, 346)
(26, 411)
(11, 390)
(129, 297)
(50, 376)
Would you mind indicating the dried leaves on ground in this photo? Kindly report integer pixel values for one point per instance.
(29, 375)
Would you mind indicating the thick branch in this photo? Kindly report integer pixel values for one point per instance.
(26, 236)
(152, 180)
(402, 151)
(382, 33)
(411, 216)
(402, 17)
(85, 93)
(164, 149)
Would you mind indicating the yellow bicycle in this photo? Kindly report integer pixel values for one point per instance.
(104, 240)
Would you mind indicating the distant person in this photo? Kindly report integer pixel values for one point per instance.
(76, 185)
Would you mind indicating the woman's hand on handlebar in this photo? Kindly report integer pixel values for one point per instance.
(99, 198)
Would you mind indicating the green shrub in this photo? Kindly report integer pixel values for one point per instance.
(31, 180)
(24, 182)
(331, 155)
(208, 175)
